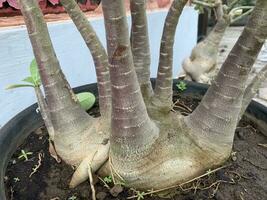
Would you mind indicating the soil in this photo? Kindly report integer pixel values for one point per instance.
(243, 177)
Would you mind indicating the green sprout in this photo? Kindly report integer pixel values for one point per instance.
(33, 80)
(108, 179)
(181, 86)
(86, 99)
(73, 197)
(16, 179)
(24, 155)
(140, 195)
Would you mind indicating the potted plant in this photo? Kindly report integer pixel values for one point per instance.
(137, 139)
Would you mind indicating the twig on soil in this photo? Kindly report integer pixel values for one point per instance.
(178, 104)
(180, 185)
(263, 145)
(91, 181)
(239, 175)
(36, 167)
(53, 151)
(11, 193)
(116, 173)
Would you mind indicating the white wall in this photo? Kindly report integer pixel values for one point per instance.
(75, 59)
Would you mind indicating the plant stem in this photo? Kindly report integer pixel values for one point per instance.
(65, 112)
(131, 126)
(44, 112)
(140, 46)
(98, 53)
(209, 5)
(233, 20)
(217, 115)
(252, 88)
(163, 88)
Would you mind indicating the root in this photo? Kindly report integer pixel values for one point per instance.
(53, 152)
(180, 185)
(36, 167)
(91, 181)
(95, 159)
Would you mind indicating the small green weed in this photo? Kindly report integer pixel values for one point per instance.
(24, 155)
(73, 197)
(181, 86)
(16, 179)
(108, 179)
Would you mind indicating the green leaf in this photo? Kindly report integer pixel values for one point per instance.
(181, 85)
(86, 100)
(35, 73)
(29, 79)
(18, 86)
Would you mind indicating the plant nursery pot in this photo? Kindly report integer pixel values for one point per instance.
(243, 169)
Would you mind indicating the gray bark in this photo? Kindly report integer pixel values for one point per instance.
(216, 117)
(163, 88)
(253, 88)
(130, 124)
(140, 46)
(44, 112)
(65, 112)
(98, 53)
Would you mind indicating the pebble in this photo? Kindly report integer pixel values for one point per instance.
(116, 190)
(101, 195)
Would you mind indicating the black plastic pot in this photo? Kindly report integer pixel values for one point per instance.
(17, 129)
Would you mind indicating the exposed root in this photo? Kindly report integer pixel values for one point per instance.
(180, 185)
(263, 145)
(180, 105)
(53, 151)
(36, 167)
(91, 181)
(95, 159)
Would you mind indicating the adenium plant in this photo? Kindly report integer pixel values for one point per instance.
(137, 138)
(201, 66)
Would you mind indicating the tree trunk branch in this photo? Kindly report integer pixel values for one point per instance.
(98, 53)
(163, 88)
(217, 115)
(65, 111)
(252, 88)
(140, 46)
(131, 126)
(44, 112)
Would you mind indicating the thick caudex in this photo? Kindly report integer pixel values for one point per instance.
(138, 139)
(201, 66)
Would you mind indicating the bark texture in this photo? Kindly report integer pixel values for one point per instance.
(201, 66)
(163, 88)
(216, 117)
(130, 124)
(140, 46)
(98, 53)
(44, 112)
(147, 151)
(77, 136)
(253, 88)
